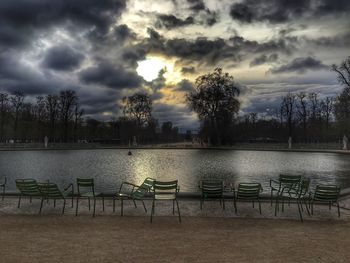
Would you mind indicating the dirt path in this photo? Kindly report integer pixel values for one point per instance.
(52, 238)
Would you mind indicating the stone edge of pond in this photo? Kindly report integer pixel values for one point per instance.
(63, 148)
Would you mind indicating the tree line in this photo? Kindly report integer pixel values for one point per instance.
(306, 117)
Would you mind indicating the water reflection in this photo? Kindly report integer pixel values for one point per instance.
(111, 167)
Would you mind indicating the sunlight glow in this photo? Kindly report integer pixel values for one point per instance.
(150, 68)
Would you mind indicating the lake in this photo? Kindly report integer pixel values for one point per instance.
(110, 167)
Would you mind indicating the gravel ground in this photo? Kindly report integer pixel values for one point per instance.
(210, 235)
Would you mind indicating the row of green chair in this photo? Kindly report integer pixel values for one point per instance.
(286, 188)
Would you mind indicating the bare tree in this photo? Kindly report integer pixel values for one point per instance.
(138, 107)
(78, 113)
(343, 72)
(302, 110)
(67, 100)
(17, 102)
(288, 110)
(52, 108)
(4, 108)
(215, 100)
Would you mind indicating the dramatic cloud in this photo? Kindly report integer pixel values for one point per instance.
(94, 48)
(20, 20)
(301, 65)
(263, 59)
(184, 85)
(62, 58)
(171, 21)
(113, 76)
(280, 11)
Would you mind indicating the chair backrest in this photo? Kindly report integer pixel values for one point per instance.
(50, 190)
(249, 190)
(144, 188)
(288, 179)
(327, 193)
(212, 188)
(160, 187)
(28, 187)
(304, 186)
(85, 185)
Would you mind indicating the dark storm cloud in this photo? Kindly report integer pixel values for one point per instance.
(15, 76)
(113, 76)
(211, 51)
(301, 65)
(62, 58)
(123, 33)
(188, 70)
(184, 85)
(171, 21)
(196, 5)
(21, 19)
(280, 11)
(263, 59)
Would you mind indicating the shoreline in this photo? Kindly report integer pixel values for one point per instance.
(24, 147)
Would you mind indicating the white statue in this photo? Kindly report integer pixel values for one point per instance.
(46, 141)
(345, 142)
(290, 143)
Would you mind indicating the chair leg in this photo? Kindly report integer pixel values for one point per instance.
(312, 207)
(64, 206)
(300, 213)
(103, 203)
(19, 201)
(41, 205)
(283, 204)
(259, 206)
(307, 209)
(271, 196)
(89, 204)
(134, 203)
(113, 204)
(178, 210)
(3, 193)
(276, 206)
(223, 203)
(201, 204)
(338, 209)
(143, 203)
(93, 215)
(152, 212)
(72, 201)
(173, 207)
(76, 209)
(235, 205)
(121, 206)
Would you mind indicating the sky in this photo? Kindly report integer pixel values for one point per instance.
(105, 50)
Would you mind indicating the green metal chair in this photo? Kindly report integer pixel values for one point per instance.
(28, 188)
(3, 185)
(86, 189)
(248, 192)
(136, 192)
(212, 190)
(165, 191)
(297, 192)
(328, 194)
(51, 191)
(284, 180)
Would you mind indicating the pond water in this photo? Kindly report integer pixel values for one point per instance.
(110, 167)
